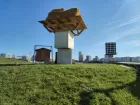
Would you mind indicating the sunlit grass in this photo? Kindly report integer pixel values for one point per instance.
(11, 61)
(84, 84)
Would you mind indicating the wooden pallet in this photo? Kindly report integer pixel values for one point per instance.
(63, 23)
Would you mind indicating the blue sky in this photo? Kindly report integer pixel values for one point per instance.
(107, 20)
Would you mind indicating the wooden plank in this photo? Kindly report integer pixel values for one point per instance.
(51, 22)
(60, 21)
(64, 24)
(49, 29)
(76, 19)
(58, 27)
(68, 20)
(68, 27)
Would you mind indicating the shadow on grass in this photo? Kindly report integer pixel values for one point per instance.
(133, 87)
(14, 64)
(86, 96)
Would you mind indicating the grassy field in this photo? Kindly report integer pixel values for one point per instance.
(11, 61)
(79, 84)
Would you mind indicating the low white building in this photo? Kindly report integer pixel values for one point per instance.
(109, 58)
(26, 58)
(126, 59)
(8, 55)
(137, 59)
(133, 59)
(18, 57)
(118, 59)
(13, 56)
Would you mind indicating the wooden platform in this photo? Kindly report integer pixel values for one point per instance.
(70, 20)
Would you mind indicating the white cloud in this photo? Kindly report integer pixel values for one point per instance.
(129, 1)
(134, 43)
(118, 35)
(127, 33)
(125, 22)
(131, 21)
(122, 20)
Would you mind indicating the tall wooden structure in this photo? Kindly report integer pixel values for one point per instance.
(65, 24)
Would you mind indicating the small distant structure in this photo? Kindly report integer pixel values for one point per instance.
(8, 55)
(26, 58)
(13, 56)
(18, 57)
(42, 55)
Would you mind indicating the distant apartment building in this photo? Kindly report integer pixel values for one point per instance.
(127, 59)
(137, 59)
(118, 59)
(81, 57)
(88, 58)
(110, 48)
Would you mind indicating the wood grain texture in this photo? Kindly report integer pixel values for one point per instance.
(59, 20)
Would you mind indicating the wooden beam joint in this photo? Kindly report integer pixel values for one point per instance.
(78, 32)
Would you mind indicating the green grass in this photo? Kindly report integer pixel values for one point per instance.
(11, 61)
(79, 84)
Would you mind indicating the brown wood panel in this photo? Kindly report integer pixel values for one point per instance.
(64, 20)
(42, 55)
